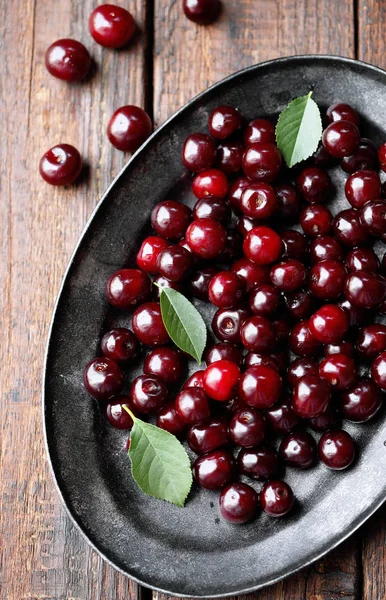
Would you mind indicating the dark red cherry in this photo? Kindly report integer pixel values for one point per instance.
(289, 201)
(301, 367)
(208, 436)
(361, 402)
(300, 304)
(315, 220)
(148, 325)
(314, 184)
(103, 378)
(259, 130)
(250, 274)
(199, 282)
(148, 253)
(148, 394)
(229, 157)
(68, 59)
(366, 157)
(362, 259)
(257, 334)
(161, 282)
(262, 245)
(170, 219)
(302, 342)
(326, 279)
(168, 419)
(378, 370)
(276, 498)
(167, 363)
(373, 218)
(262, 162)
(212, 182)
(120, 344)
(260, 387)
(298, 450)
(348, 229)
(339, 370)
(128, 128)
(247, 428)
(199, 152)
(225, 289)
(111, 26)
(341, 138)
(174, 262)
(220, 380)
(60, 165)
(326, 421)
(233, 246)
(325, 248)
(329, 324)
(206, 238)
(365, 290)
(235, 192)
(344, 347)
(202, 12)
(226, 324)
(127, 287)
(342, 112)
(311, 396)
(371, 340)
(357, 316)
(259, 463)
(195, 380)
(212, 208)
(282, 418)
(288, 275)
(259, 201)
(336, 449)
(223, 351)
(361, 187)
(276, 360)
(192, 406)
(214, 470)
(295, 245)
(116, 415)
(224, 121)
(239, 503)
(264, 299)
(382, 156)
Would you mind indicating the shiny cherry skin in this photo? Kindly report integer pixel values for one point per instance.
(235, 192)
(276, 498)
(166, 363)
(348, 229)
(225, 289)
(361, 402)
(192, 406)
(262, 245)
(301, 367)
(170, 219)
(281, 418)
(344, 347)
(302, 342)
(315, 220)
(103, 378)
(276, 360)
(244, 225)
(264, 299)
(148, 394)
(311, 396)
(120, 344)
(288, 275)
(295, 245)
(247, 428)
(161, 282)
(378, 370)
(341, 138)
(220, 380)
(206, 238)
(326, 421)
(150, 249)
(257, 334)
(366, 157)
(168, 419)
(300, 304)
(200, 280)
(250, 274)
(262, 161)
(224, 351)
(371, 340)
(128, 128)
(289, 201)
(202, 12)
(212, 182)
(127, 288)
(314, 184)
(195, 380)
(325, 247)
(226, 324)
(229, 157)
(298, 450)
(233, 246)
(342, 112)
(339, 370)
(362, 259)
(372, 217)
(259, 130)
(199, 152)
(259, 201)
(60, 165)
(68, 60)
(336, 449)
(223, 122)
(116, 415)
(148, 325)
(208, 436)
(260, 387)
(239, 503)
(357, 316)
(212, 208)
(363, 186)
(382, 157)
(111, 26)
(329, 324)
(326, 279)
(365, 290)
(214, 470)
(260, 463)
(174, 262)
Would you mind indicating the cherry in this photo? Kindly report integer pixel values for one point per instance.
(250, 274)
(235, 192)
(212, 208)
(68, 59)
(302, 342)
(311, 396)
(276, 498)
(148, 325)
(321, 158)
(257, 334)
(339, 370)
(262, 245)
(298, 450)
(295, 245)
(208, 436)
(206, 238)
(168, 419)
(356, 315)
(199, 152)
(326, 421)
(365, 290)
(342, 112)
(103, 378)
(148, 253)
(341, 138)
(120, 344)
(174, 262)
(361, 187)
(127, 287)
(325, 247)
(259, 463)
(361, 402)
(210, 183)
(195, 380)
(116, 415)
(244, 225)
(202, 12)
(226, 324)
(366, 157)
(128, 128)
(224, 351)
(344, 347)
(233, 246)
(282, 418)
(301, 367)
(148, 394)
(199, 282)
(224, 121)
(161, 282)
(264, 299)
(111, 26)
(336, 449)
(214, 470)
(170, 219)
(329, 324)
(229, 157)
(326, 279)
(259, 130)
(247, 428)
(167, 363)
(289, 201)
(362, 259)
(277, 361)
(288, 275)
(262, 161)
(260, 386)
(225, 289)
(239, 503)
(259, 201)
(371, 340)
(382, 156)
(314, 184)
(192, 406)
(378, 370)
(348, 229)
(220, 380)
(60, 165)
(373, 218)
(300, 304)
(315, 220)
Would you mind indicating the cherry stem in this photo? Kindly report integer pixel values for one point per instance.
(127, 409)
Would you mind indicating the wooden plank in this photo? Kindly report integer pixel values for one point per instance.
(42, 555)
(188, 58)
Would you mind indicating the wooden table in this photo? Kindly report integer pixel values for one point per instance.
(42, 554)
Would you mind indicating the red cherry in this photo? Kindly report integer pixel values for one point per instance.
(220, 380)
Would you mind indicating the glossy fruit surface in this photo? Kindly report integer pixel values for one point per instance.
(120, 344)
(373, 218)
(295, 245)
(276, 498)
(361, 187)
(300, 304)
(195, 380)
(212, 208)
(345, 347)
(103, 378)
(250, 274)
(247, 428)
(315, 220)
(235, 192)
(212, 182)
(260, 387)
(339, 370)
(325, 248)
(258, 201)
(208, 436)
(214, 470)
(365, 290)
(365, 157)
(329, 324)
(264, 299)
(378, 371)
(298, 450)
(167, 363)
(311, 396)
(206, 238)
(239, 503)
(362, 259)
(148, 394)
(371, 340)
(361, 402)
(127, 288)
(257, 334)
(382, 156)
(229, 157)
(199, 152)
(301, 367)
(220, 380)
(192, 406)
(276, 360)
(60, 165)
(314, 184)
(342, 112)
(168, 419)
(148, 325)
(262, 245)
(289, 202)
(302, 342)
(174, 262)
(148, 253)
(199, 282)
(223, 122)
(348, 229)
(260, 463)
(326, 279)
(68, 59)
(336, 449)
(288, 275)
(330, 419)
(341, 138)
(111, 26)
(223, 351)
(259, 130)
(116, 415)
(226, 324)
(202, 12)
(262, 161)
(225, 289)
(281, 418)
(128, 128)
(170, 219)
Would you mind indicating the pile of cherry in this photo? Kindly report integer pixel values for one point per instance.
(295, 311)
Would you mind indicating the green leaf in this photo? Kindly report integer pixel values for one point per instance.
(159, 463)
(299, 130)
(183, 323)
